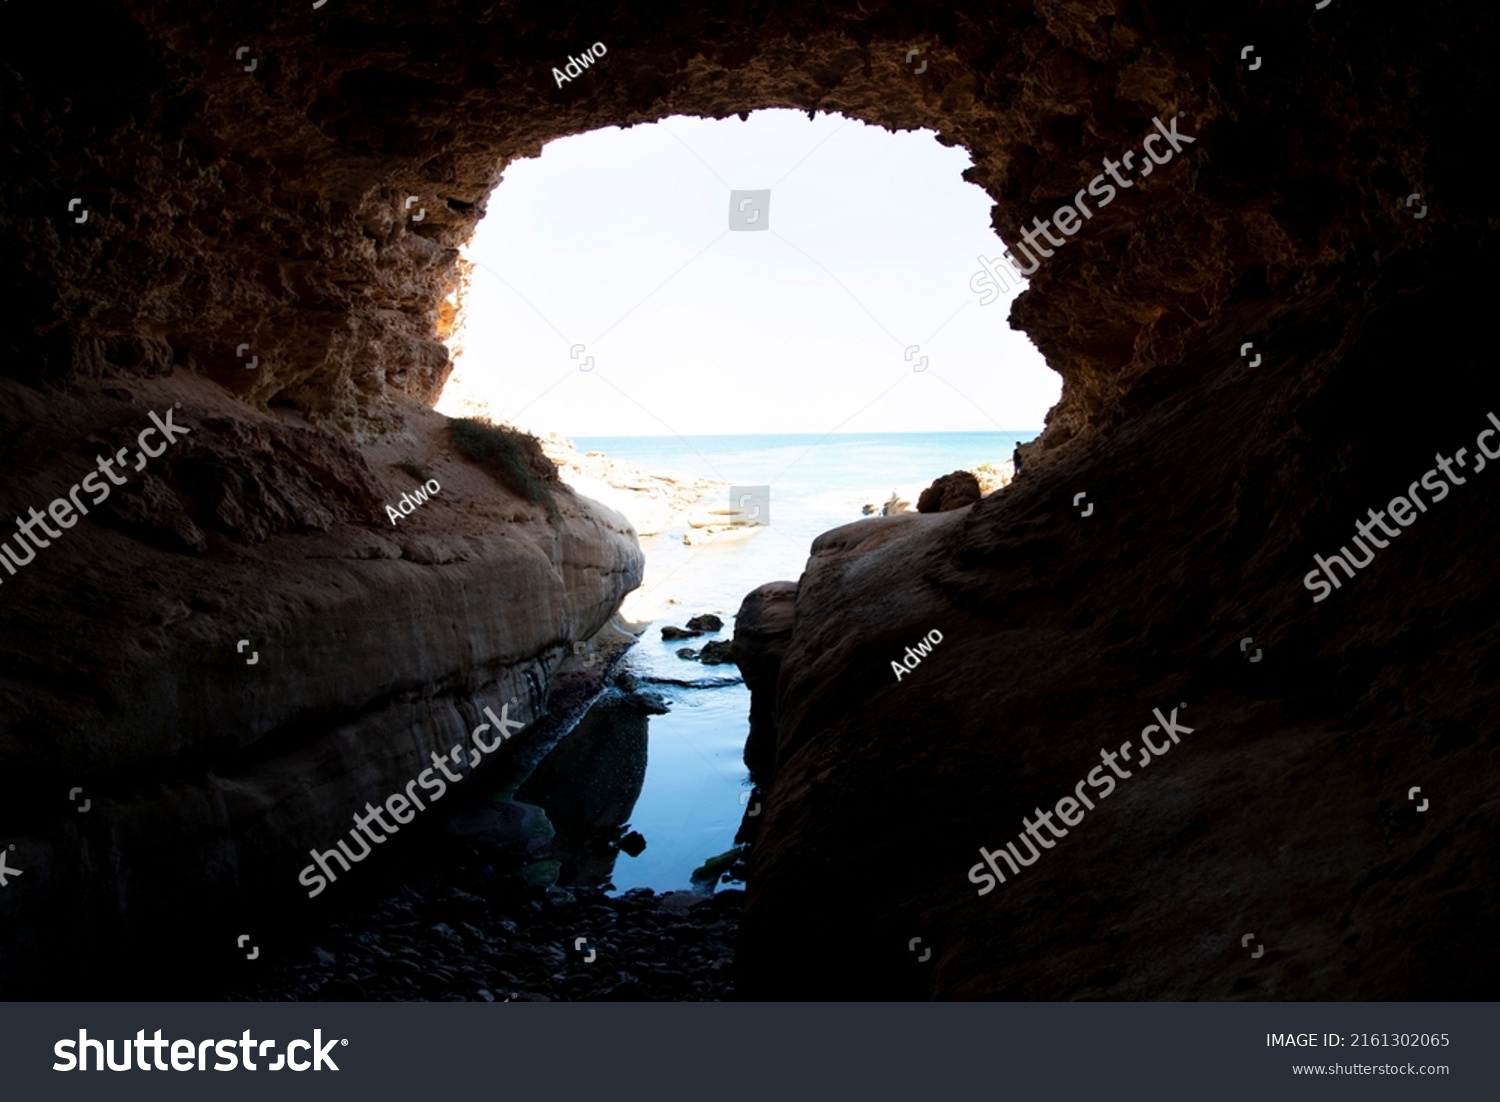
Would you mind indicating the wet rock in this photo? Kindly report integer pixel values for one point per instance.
(647, 946)
(705, 623)
(718, 653)
(644, 703)
(541, 874)
(465, 904)
(670, 632)
(505, 824)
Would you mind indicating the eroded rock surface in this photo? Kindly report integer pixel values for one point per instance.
(247, 650)
(1284, 813)
(950, 491)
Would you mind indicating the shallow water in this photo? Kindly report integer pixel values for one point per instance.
(679, 778)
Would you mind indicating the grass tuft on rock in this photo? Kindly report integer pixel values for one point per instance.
(514, 457)
(706, 874)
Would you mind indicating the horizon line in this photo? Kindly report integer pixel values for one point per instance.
(820, 435)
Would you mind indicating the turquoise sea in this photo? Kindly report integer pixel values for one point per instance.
(689, 805)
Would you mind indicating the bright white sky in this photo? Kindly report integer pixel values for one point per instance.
(619, 240)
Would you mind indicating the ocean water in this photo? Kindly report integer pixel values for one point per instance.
(690, 803)
(814, 484)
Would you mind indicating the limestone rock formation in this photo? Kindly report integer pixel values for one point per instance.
(653, 500)
(951, 491)
(247, 691)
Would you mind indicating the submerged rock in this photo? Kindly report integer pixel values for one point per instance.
(506, 824)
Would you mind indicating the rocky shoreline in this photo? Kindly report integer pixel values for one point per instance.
(652, 499)
(905, 498)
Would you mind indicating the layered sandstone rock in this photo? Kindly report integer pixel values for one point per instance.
(246, 650)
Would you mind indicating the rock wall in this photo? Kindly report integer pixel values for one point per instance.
(230, 663)
(762, 630)
(244, 175)
(1286, 812)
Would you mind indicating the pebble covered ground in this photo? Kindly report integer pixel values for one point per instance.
(457, 946)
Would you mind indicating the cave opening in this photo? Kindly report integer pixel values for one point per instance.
(740, 333)
(253, 216)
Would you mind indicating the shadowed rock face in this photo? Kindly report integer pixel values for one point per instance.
(951, 491)
(762, 630)
(268, 209)
(1284, 813)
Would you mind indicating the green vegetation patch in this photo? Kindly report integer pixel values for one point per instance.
(706, 874)
(514, 457)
